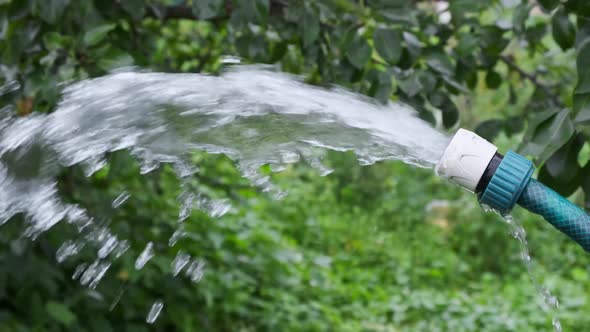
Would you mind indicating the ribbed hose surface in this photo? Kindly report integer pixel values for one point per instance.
(558, 211)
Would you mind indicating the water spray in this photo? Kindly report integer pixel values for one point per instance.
(502, 181)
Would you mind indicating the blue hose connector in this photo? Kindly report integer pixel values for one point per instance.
(512, 184)
(502, 182)
(508, 183)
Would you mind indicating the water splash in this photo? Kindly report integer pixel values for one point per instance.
(253, 115)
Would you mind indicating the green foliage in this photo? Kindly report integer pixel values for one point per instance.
(355, 251)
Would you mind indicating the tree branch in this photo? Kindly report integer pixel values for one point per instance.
(533, 79)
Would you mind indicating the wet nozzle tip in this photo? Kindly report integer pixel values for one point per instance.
(466, 159)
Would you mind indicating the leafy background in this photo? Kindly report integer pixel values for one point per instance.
(379, 248)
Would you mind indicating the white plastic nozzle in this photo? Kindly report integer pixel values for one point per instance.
(466, 159)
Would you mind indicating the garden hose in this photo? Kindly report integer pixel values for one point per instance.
(501, 182)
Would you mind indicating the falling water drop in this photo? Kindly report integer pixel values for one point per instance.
(179, 262)
(145, 256)
(109, 244)
(177, 235)
(94, 273)
(68, 249)
(124, 196)
(196, 270)
(154, 311)
(556, 325)
(186, 205)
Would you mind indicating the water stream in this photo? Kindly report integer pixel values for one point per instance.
(253, 115)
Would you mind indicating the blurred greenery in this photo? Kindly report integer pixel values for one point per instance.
(385, 247)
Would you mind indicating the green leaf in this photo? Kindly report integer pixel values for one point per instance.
(427, 80)
(490, 129)
(253, 47)
(381, 86)
(441, 63)
(491, 39)
(586, 185)
(564, 31)
(582, 91)
(493, 79)
(249, 11)
(521, 13)
(97, 34)
(453, 86)
(54, 41)
(450, 113)
(561, 171)
(548, 5)
(548, 131)
(388, 43)
(414, 44)
(514, 125)
(278, 51)
(310, 27)
(51, 10)
(135, 8)
(206, 9)
(60, 312)
(467, 44)
(584, 155)
(535, 33)
(359, 52)
(115, 58)
(563, 164)
(410, 84)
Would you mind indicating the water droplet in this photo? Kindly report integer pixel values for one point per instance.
(122, 247)
(94, 165)
(94, 273)
(154, 312)
(78, 272)
(68, 249)
(196, 270)
(177, 235)
(148, 166)
(289, 157)
(218, 208)
(556, 324)
(18, 246)
(9, 86)
(186, 205)
(279, 194)
(117, 299)
(124, 196)
(145, 256)
(109, 244)
(184, 170)
(179, 262)
(229, 59)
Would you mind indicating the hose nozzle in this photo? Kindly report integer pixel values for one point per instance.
(466, 159)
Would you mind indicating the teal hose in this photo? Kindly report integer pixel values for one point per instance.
(558, 211)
